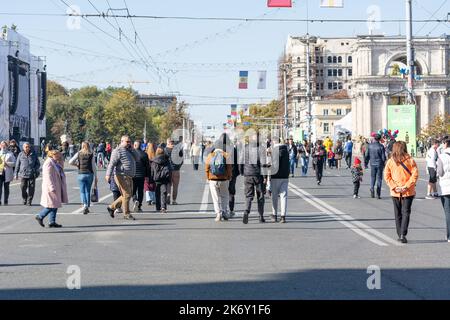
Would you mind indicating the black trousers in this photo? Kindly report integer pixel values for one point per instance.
(356, 185)
(319, 170)
(348, 159)
(138, 190)
(27, 185)
(402, 211)
(6, 186)
(232, 192)
(253, 184)
(161, 196)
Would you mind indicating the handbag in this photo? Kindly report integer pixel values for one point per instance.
(94, 194)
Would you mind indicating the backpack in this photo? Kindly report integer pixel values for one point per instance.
(162, 173)
(217, 164)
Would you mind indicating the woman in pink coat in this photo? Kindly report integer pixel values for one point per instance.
(54, 188)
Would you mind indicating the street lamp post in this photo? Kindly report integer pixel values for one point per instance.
(410, 52)
(285, 67)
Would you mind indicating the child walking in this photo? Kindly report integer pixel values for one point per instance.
(357, 173)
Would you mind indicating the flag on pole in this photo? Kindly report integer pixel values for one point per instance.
(279, 3)
(234, 110)
(243, 79)
(246, 109)
(332, 3)
(262, 78)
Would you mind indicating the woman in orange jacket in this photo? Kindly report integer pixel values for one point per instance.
(401, 175)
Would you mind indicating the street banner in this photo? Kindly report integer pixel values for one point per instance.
(279, 3)
(332, 3)
(229, 120)
(234, 110)
(262, 79)
(243, 79)
(403, 119)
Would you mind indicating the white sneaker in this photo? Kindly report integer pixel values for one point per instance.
(135, 205)
(218, 217)
(119, 210)
(430, 197)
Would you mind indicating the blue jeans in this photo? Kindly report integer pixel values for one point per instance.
(49, 211)
(446, 204)
(85, 182)
(305, 166)
(376, 175)
(292, 165)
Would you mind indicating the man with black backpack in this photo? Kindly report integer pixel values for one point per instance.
(218, 172)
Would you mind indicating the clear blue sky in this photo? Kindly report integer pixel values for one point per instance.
(233, 46)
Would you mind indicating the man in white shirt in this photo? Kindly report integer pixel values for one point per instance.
(432, 157)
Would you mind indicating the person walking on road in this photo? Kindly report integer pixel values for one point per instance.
(7, 163)
(279, 180)
(84, 160)
(14, 148)
(357, 174)
(443, 170)
(401, 176)
(432, 158)
(123, 160)
(319, 157)
(292, 149)
(348, 151)
(251, 169)
(338, 154)
(376, 155)
(150, 186)
(27, 169)
(218, 170)
(142, 172)
(54, 188)
(161, 170)
(175, 155)
(196, 151)
(232, 184)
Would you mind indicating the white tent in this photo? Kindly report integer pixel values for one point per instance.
(343, 126)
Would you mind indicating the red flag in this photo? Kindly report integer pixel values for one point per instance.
(279, 3)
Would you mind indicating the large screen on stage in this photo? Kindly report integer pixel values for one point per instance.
(19, 121)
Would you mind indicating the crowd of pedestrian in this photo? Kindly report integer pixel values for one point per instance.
(142, 171)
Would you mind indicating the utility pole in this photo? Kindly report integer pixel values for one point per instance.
(410, 53)
(285, 67)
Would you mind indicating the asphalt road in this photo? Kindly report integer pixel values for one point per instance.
(322, 252)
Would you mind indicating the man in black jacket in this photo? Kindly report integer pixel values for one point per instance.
(27, 169)
(232, 184)
(250, 168)
(174, 153)
(279, 180)
(376, 154)
(142, 171)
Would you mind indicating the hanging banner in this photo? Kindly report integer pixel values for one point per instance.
(246, 110)
(234, 110)
(243, 79)
(279, 3)
(403, 119)
(262, 79)
(332, 3)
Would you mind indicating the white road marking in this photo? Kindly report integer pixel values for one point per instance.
(38, 179)
(204, 205)
(345, 219)
(79, 211)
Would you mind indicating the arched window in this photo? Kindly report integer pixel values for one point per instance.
(339, 59)
(350, 59)
(330, 59)
(299, 73)
(334, 59)
(298, 60)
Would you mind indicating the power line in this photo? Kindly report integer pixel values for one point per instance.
(314, 20)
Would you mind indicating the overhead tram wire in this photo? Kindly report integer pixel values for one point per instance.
(119, 30)
(314, 20)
